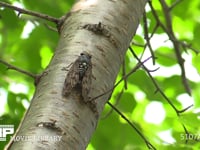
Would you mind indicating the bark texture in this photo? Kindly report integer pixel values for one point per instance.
(52, 115)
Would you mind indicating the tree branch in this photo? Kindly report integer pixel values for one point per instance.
(18, 69)
(178, 112)
(124, 77)
(29, 12)
(147, 38)
(176, 45)
(188, 46)
(149, 145)
(36, 77)
(174, 40)
(124, 73)
(175, 4)
(116, 103)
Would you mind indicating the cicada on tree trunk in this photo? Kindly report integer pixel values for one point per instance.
(79, 76)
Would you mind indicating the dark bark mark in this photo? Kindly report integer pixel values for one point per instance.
(51, 125)
(100, 29)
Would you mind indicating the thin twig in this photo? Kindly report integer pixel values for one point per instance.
(124, 73)
(126, 76)
(149, 145)
(189, 46)
(18, 69)
(175, 42)
(159, 23)
(175, 4)
(186, 132)
(176, 45)
(50, 27)
(162, 93)
(32, 13)
(146, 37)
(116, 103)
(185, 109)
(137, 44)
(154, 30)
(178, 112)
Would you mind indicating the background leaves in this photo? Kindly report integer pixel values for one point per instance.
(34, 52)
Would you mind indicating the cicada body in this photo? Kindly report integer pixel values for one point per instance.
(79, 76)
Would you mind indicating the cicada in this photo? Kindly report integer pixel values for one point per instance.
(79, 76)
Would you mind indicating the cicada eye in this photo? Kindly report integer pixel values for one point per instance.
(86, 55)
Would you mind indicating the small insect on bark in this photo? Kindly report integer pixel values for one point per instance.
(99, 28)
(79, 76)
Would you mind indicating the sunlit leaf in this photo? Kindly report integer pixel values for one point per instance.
(46, 55)
(165, 56)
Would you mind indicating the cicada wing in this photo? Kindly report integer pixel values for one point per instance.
(72, 78)
(86, 83)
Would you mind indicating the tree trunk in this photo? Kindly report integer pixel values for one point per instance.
(54, 121)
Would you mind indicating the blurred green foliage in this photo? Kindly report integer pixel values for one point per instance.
(33, 53)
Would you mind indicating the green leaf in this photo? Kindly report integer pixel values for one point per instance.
(165, 56)
(9, 18)
(15, 105)
(192, 122)
(46, 55)
(127, 102)
(144, 83)
(183, 31)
